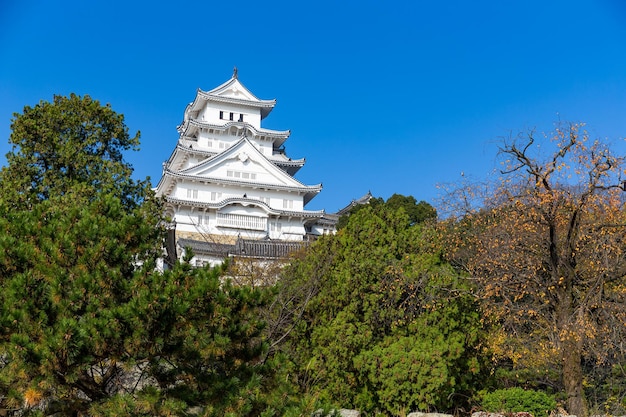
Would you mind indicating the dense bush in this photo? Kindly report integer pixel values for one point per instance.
(517, 399)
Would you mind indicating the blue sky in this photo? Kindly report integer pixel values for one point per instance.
(387, 96)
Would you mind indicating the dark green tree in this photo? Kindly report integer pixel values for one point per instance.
(88, 326)
(197, 340)
(72, 140)
(416, 212)
(381, 323)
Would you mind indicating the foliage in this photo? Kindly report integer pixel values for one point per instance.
(379, 322)
(513, 400)
(416, 212)
(547, 254)
(198, 338)
(66, 142)
(606, 387)
(88, 326)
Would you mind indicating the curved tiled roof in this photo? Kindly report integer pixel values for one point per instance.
(214, 180)
(359, 201)
(261, 103)
(248, 201)
(277, 134)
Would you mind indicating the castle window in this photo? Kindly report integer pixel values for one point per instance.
(192, 193)
(239, 174)
(287, 204)
(221, 114)
(232, 115)
(241, 117)
(241, 221)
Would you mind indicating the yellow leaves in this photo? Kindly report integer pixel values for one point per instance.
(32, 397)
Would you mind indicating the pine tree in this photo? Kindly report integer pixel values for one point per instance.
(88, 326)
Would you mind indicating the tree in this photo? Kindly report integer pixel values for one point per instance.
(417, 212)
(547, 251)
(197, 338)
(381, 323)
(88, 326)
(75, 227)
(67, 142)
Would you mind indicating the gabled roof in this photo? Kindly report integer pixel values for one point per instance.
(186, 147)
(234, 92)
(245, 151)
(358, 202)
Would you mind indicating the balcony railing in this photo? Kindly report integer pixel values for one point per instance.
(240, 221)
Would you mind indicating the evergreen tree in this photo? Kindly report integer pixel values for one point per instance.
(381, 323)
(88, 326)
(416, 212)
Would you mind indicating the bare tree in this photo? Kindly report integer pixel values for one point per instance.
(547, 252)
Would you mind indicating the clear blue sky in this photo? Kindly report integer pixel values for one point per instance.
(387, 96)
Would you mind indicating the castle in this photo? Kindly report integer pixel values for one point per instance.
(229, 187)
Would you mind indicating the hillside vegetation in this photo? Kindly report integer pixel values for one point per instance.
(515, 296)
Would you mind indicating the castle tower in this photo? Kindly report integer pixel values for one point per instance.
(228, 185)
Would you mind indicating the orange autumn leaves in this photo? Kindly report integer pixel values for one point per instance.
(547, 252)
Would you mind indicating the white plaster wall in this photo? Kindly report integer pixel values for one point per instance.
(211, 114)
(278, 201)
(320, 230)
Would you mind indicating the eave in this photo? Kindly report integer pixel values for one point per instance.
(317, 214)
(189, 127)
(308, 191)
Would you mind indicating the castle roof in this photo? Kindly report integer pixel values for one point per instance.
(191, 127)
(232, 92)
(244, 151)
(246, 201)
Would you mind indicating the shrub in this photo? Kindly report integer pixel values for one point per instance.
(513, 400)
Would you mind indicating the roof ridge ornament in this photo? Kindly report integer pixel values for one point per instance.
(235, 76)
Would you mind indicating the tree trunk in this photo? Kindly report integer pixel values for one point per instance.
(571, 352)
(573, 378)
